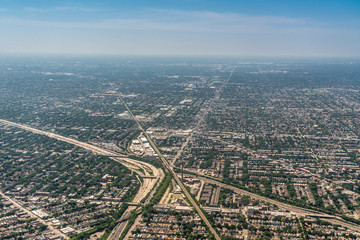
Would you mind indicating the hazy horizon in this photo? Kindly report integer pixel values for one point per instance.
(181, 28)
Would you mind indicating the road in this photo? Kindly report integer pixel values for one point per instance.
(167, 166)
(326, 217)
(117, 231)
(57, 231)
(307, 143)
(148, 169)
(201, 119)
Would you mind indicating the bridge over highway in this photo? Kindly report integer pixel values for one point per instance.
(176, 178)
(151, 173)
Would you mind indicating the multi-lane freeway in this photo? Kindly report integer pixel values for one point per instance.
(151, 173)
(170, 169)
(119, 228)
(150, 170)
(302, 211)
(330, 218)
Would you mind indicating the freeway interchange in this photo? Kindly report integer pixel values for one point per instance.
(151, 175)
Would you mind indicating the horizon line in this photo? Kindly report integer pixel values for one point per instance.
(14, 54)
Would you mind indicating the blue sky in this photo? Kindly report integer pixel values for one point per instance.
(169, 27)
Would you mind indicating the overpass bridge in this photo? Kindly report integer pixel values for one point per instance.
(148, 177)
(135, 204)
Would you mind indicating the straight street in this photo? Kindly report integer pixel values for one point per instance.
(178, 181)
(57, 231)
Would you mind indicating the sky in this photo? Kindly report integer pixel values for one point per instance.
(315, 28)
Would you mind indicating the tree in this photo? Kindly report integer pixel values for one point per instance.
(43, 227)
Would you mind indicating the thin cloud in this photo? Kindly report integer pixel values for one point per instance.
(225, 17)
(173, 32)
(173, 20)
(59, 9)
(203, 24)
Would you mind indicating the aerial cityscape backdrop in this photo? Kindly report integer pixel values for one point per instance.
(189, 27)
(184, 120)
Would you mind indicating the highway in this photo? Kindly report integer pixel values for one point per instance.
(149, 170)
(178, 181)
(116, 233)
(326, 217)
